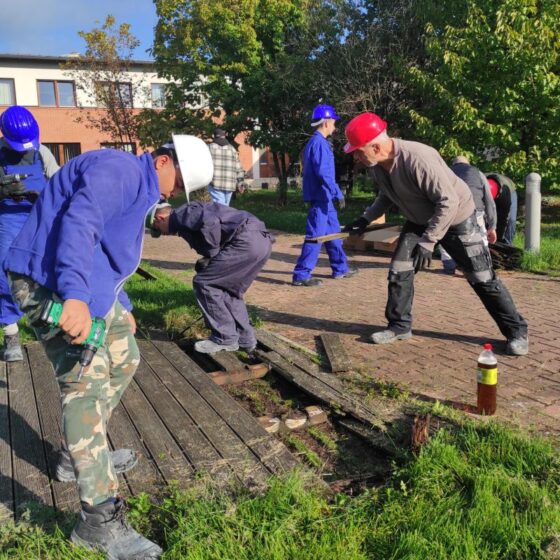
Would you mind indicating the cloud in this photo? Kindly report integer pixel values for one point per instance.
(54, 27)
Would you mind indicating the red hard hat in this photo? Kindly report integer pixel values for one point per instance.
(363, 129)
(494, 187)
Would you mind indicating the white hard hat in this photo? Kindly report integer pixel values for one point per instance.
(195, 161)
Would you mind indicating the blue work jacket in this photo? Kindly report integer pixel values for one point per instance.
(84, 234)
(319, 184)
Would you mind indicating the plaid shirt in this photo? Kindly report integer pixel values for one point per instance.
(228, 172)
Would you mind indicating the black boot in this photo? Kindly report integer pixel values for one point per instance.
(104, 527)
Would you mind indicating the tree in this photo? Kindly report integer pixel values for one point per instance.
(103, 75)
(251, 62)
(491, 86)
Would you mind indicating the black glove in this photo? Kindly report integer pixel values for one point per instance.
(201, 264)
(12, 190)
(341, 203)
(357, 227)
(421, 257)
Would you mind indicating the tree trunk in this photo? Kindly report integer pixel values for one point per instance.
(280, 167)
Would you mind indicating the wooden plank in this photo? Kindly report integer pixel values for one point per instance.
(336, 353)
(226, 361)
(229, 446)
(188, 433)
(6, 488)
(30, 475)
(144, 477)
(233, 377)
(291, 351)
(386, 235)
(145, 274)
(331, 393)
(273, 453)
(267, 339)
(47, 393)
(344, 234)
(162, 447)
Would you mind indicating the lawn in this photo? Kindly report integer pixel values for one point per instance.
(484, 493)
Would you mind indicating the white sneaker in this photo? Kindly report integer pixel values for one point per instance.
(210, 347)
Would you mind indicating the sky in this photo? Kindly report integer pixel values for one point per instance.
(50, 27)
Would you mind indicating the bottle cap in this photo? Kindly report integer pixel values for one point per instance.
(487, 346)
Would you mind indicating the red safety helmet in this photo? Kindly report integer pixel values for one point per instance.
(363, 129)
(494, 187)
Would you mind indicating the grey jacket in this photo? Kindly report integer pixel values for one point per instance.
(426, 191)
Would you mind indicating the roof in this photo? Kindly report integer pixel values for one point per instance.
(58, 59)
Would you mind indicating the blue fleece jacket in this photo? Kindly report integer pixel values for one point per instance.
(319, 184)
(84, 235)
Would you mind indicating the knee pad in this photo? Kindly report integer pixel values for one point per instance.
(395, 276)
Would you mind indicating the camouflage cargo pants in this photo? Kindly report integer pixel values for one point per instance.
(87, 403)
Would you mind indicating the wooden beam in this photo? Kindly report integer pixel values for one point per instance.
(336, 353)
(145, 274)
(235, 377)
(344, 234)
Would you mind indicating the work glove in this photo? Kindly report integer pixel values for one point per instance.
(341, 203)
(357, 227)
(201, 264)
(12, 190)
(421, 258)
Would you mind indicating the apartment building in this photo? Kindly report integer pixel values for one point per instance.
(50, 93)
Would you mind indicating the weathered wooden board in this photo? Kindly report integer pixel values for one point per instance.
(30, 475)
(6, 486)
(336, 353)
(50, 417)
(271, 452)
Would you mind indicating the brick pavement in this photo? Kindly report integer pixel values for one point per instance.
(450, 325)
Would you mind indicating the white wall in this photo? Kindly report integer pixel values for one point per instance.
(25, 74)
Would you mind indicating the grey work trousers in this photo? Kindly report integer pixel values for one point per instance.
(220, 287)
(465, 244)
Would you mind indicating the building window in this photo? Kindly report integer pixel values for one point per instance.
(7, 91)
(63, 153)
(158, 96)
(129, 147)
(114, 94)
(53, 93)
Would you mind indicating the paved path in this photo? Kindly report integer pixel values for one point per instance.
(450, 325)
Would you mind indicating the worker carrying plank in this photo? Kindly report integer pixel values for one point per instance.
(439, 208)
(320, 190)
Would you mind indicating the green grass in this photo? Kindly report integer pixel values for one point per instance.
(548, 258)
(165, 303)
(292, 217)
(484, 493)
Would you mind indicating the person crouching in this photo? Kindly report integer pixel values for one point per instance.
(234, 246)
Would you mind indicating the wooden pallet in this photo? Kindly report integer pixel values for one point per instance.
(177, 419)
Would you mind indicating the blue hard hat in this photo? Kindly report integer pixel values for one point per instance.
(19, 128)
(324, 112)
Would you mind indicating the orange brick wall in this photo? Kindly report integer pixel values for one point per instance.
(58, 125)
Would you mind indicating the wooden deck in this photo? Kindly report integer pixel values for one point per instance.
(172, 414)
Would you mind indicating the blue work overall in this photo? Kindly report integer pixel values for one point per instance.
(13, 216)
(320, 190)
